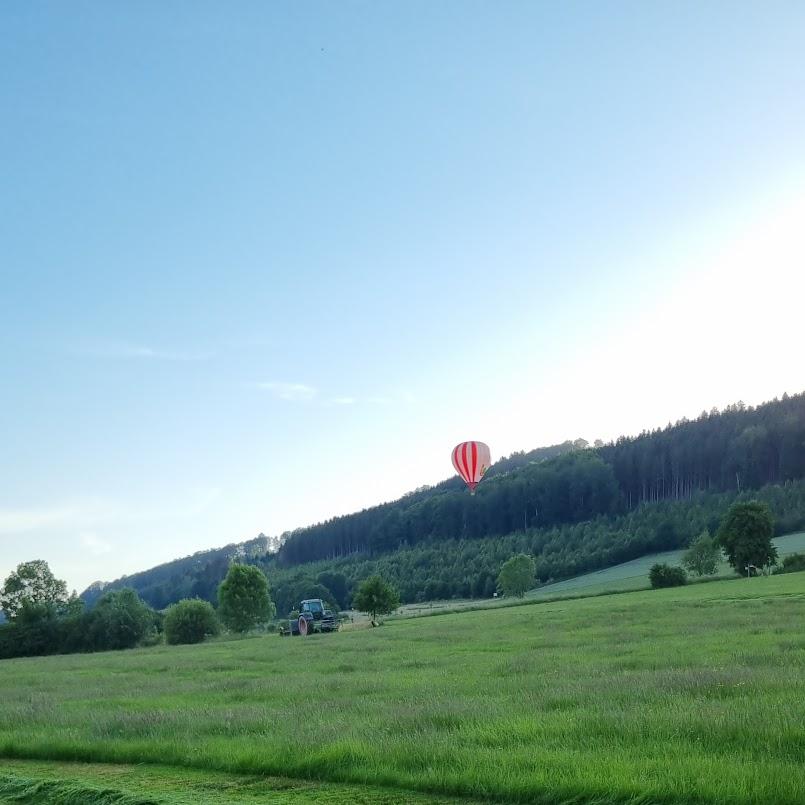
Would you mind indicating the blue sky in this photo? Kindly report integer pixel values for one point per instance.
(266, 263)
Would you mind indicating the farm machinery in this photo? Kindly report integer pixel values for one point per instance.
(312, 617)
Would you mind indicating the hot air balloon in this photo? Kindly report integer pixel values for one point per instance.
(471, 460)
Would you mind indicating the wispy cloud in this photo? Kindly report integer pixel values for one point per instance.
(295, 392)
(301, 392)
(92, 543)
(86, 514)
(141, 352)
(18, 521)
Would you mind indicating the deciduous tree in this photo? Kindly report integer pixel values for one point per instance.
(376, 597)
(30, 584)
(745, 535)
(517, 575)
(243, 598)
(120, 619)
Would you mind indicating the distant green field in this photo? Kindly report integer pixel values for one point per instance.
(634, 575)
(628, 576)
(687, 695)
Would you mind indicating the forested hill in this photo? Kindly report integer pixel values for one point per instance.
(720, 451)
(199, 575)
(191, 576)
(542, 493)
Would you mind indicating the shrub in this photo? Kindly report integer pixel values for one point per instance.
(190, 621)
(662, 575)
(33, 632)
(792, 563)
(703, 555)
(121, 619)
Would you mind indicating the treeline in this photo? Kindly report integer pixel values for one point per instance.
(570, 488)
(739, 448)
(120, 619)
(41, 619)
(196, 576)
(439, 511)
(468, 568)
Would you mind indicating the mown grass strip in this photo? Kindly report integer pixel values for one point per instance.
(26, 791)
(37, 783)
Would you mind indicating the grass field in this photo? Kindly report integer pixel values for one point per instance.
(634, 575)
(687, 695)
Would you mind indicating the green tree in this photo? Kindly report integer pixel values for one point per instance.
(243, 598)
(190, 621)
(311, 589)
(376, 597)
(703, 555)
(31, 583)
(120, 619)
(517, 575)
(745, 535)
(336, 583)
(34, 631)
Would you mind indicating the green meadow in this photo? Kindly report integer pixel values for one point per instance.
(686, 695)
(634, 575)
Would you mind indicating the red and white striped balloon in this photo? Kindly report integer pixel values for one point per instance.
(471, 460)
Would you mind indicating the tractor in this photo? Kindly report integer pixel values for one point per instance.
(313, 617)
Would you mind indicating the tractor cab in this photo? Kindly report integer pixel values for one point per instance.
(315, 606)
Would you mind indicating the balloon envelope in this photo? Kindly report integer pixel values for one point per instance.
(471, 460)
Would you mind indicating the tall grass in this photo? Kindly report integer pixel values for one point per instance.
(686, 695)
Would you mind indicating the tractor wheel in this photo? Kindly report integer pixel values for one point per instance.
(304, 627)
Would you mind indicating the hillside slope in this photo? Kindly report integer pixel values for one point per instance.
(729, 451)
